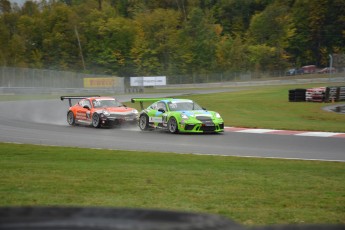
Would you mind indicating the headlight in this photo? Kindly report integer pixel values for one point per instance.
(218, 115)
(184, 116)
(106, 113)
(135, 111)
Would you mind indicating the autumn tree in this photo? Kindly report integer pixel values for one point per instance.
(156, 41)
(320, 27)
(271, 29)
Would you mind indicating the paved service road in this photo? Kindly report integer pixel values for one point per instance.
(44, 122)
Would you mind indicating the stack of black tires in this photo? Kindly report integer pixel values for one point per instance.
(296, 95)
(321, 94)
(341, 93)
(335, 93)
(331, 93)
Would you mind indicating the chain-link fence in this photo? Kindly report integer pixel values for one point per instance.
(39, 79)
(18, 80)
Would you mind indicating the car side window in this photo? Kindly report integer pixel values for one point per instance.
(96, 103)
(154, 106)
(85, 102)
(161, 105)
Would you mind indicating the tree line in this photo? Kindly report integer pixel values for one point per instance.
(170, 37)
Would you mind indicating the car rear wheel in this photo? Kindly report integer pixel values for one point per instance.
(70, 118)
(172, 125)
(144, 122)
(96, 120)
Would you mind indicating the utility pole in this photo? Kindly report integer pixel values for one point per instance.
(330, 64)
(80, 49)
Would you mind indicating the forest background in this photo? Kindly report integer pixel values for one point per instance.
(170, 37)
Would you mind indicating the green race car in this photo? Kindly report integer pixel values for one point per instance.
(178, 115)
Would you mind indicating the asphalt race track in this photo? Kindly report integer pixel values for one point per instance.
(44, 122)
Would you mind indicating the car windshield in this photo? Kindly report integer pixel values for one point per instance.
(101, 103)
(183, 106)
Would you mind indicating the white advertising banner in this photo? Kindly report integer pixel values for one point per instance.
(148, 81)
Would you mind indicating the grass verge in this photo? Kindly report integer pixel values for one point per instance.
(248, 190)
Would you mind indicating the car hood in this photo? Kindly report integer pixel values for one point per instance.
(197, 113)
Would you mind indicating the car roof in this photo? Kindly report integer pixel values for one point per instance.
(176, 100)
(101, 98)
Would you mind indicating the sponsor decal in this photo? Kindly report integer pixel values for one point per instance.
(81, 116)
(155, 119)
(105, 82)
(148, 81)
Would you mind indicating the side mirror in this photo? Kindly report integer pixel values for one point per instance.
(161, 110)
(204, 108)
(86, 107)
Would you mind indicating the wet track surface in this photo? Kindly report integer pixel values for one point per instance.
(44, 122)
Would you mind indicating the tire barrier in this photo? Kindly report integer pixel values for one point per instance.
(316, 94)
(341, 93)
(320, 94)
(296, 95)
(73, 218)
(331, 93)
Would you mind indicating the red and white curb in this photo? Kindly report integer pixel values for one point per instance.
(284, 132)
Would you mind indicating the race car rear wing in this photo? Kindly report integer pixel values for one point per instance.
(75, 97)
(142, 100)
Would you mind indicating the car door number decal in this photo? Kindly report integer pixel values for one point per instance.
(155, 119)
(83, 116)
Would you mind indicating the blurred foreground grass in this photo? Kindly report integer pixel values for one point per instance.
(248, 190)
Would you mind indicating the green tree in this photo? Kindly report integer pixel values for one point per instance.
(156, 41)
(109, 45)
(59, 45)
(5, 6)
(273, 27)
(231, 54)
(29, 27)
(235, 16)
(201, 36)
(320, 27)
(12, 49)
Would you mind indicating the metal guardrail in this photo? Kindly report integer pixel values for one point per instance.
(257, 83)
(39, 90)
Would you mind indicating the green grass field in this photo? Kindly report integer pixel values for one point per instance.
(248, 190)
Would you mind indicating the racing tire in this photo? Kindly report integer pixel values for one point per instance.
(172, 125)
(70, 118)
(144, 122)
(96, 121)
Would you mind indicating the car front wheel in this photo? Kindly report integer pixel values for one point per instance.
(96, 120)
(172, 125)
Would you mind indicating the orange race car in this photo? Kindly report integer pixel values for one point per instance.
(99, 111)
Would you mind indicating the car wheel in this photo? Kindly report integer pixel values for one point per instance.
(96, 120)
(70, 118)
(172, 125)
(144, 122)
